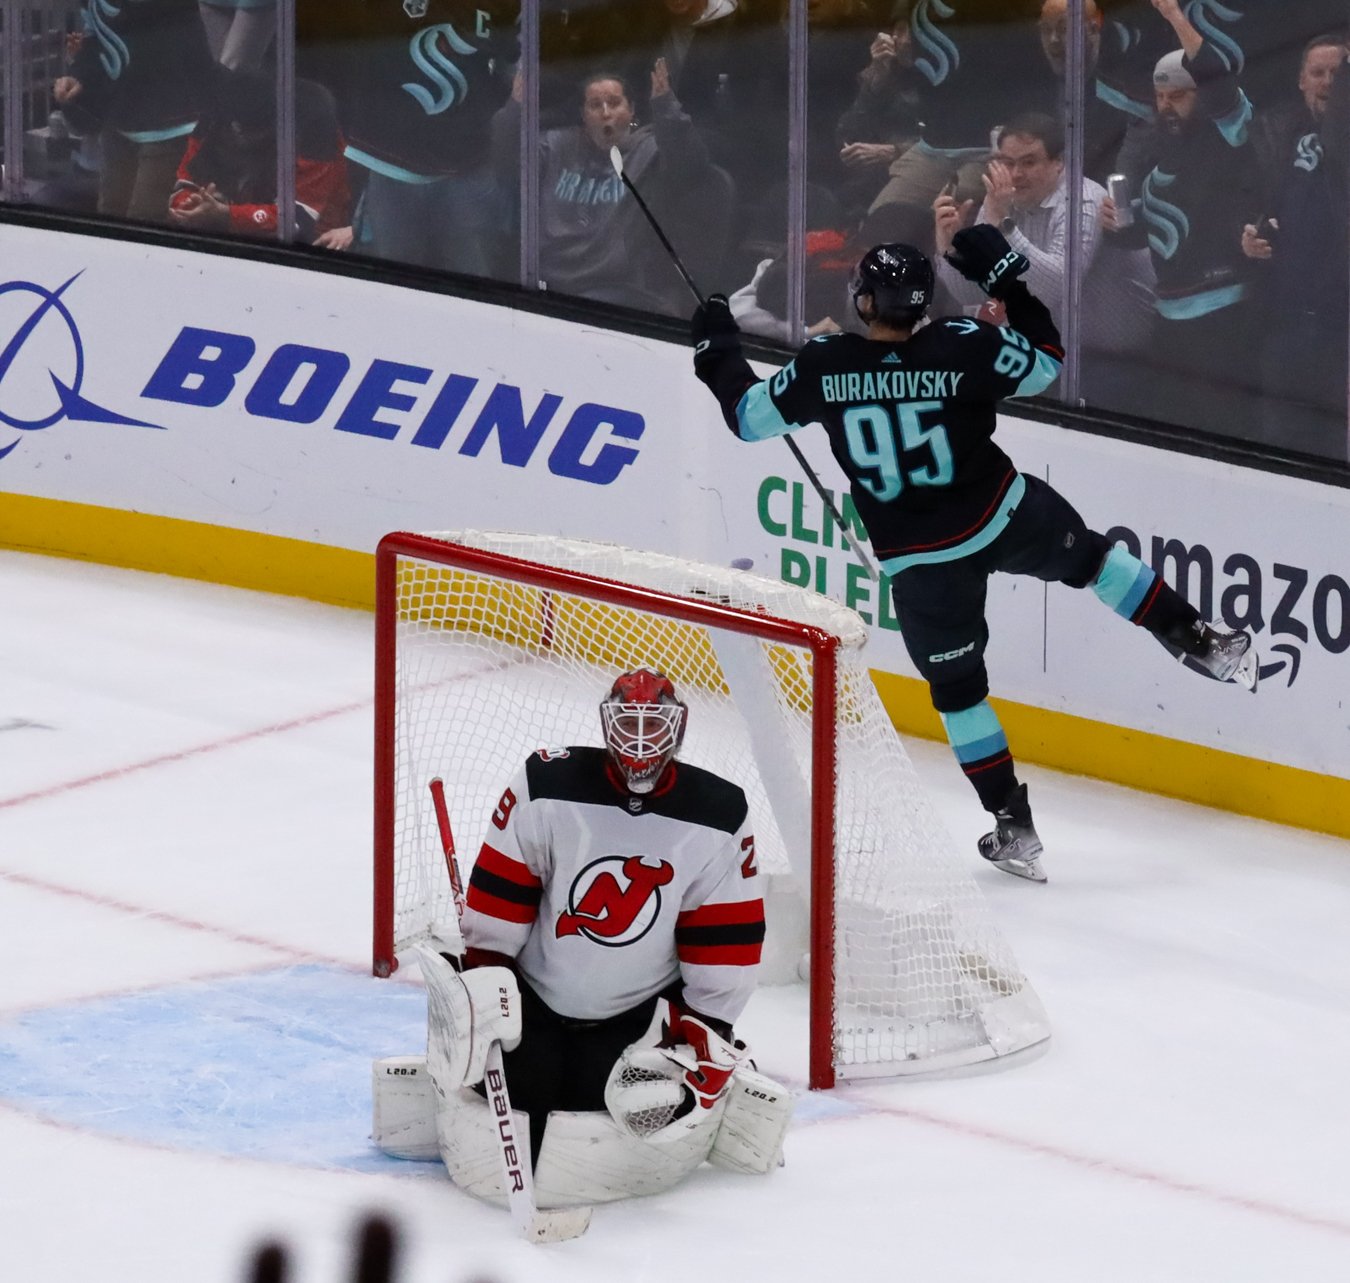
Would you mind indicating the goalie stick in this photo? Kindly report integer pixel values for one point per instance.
(616, 160)
(539, 1225)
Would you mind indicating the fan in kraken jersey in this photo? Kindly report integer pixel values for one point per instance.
(615, 884)
(910, 413)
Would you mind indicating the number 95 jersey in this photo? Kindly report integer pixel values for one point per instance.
(911, 423)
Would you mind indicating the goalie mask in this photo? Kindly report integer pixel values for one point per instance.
(900, 280)
(643, 723)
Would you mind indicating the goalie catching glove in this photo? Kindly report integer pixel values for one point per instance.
(982, 254)
(669, 1089)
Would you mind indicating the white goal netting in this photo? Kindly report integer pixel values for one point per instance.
(483, 668)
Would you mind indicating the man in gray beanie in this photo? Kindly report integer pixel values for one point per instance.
(1191, 174)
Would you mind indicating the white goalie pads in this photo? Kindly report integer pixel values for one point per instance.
(403, 1113)
(466, 1013)
(754, 1124)
(587, 1158)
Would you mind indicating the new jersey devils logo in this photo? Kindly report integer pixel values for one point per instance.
(615, 910)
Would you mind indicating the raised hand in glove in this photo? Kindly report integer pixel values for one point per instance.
(713, 324)
(982, 254)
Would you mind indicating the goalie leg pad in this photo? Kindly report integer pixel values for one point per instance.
(467, 1137)
(754, 1124)
(587, 1158)
(466, 1013)
(403, 1121)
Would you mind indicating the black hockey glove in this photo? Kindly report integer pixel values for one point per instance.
(982, 254)
(718, 360)
(714, 331)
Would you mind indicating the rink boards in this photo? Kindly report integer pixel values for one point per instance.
(263, 426)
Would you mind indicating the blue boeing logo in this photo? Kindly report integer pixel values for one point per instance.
(45, 340)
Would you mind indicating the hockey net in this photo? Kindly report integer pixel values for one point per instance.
(491, 645)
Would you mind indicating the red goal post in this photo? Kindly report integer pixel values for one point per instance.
(490, 645)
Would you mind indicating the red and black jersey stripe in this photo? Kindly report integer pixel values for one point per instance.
(721, 935)
(503, 888)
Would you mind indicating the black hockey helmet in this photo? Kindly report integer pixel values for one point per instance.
(900, 280)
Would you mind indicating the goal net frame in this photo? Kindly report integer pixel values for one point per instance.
(701, 610)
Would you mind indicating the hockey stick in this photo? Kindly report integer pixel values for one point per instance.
(437, 787)
(616, 159)
(539, 1225)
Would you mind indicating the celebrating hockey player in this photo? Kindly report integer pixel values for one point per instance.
(612, 932)
(910, 411)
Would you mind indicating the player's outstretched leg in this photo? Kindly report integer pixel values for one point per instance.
(1138, 593)
(1014, 846)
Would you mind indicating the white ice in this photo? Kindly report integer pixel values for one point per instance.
(186, 1018)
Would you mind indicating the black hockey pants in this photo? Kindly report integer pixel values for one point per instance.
(940, 607)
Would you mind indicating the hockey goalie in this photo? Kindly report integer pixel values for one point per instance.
(612, 934)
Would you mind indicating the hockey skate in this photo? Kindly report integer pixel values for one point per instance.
(1227, 657)
(1013, 846)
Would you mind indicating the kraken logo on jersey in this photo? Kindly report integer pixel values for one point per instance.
(416, 8)
(1204, 15)
(450, 85)
(113, 52)
(1309, 153)
(1168, 224)
(612, 905)
(940, 55)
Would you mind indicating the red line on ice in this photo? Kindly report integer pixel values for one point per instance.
(167, 918)
(1242, 1202)
(165, 759)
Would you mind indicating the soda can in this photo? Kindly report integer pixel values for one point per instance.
(1118, 189)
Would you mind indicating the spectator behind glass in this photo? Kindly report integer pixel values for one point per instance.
(1108, 109)
(594, 241)
(1277, 129)
(239, 32)
(1026, 196)
(723, 58)
(1193, 175)
(882, 122)
(981, 65)
(136, 80)
(1299, 248)
(416, 87)
(761, 307)
(227, 181)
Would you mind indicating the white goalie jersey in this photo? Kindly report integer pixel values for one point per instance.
(606, 898)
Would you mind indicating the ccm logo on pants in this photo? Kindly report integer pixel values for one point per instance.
(952, 654)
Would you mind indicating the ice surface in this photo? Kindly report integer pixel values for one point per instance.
(186, 1019)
